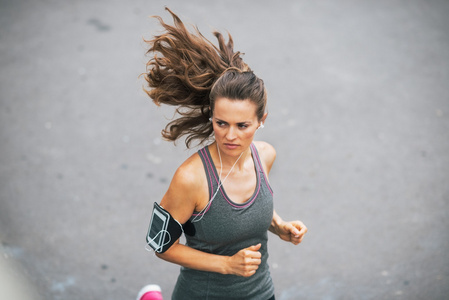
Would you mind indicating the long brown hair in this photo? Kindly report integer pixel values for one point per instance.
(190, 72)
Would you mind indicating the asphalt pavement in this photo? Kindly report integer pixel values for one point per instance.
(358, 114)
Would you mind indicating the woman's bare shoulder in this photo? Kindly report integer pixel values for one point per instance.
(265, 150)
(187, 188)
(267, 153)
(190, 173)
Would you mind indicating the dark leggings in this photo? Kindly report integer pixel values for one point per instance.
(272, 298)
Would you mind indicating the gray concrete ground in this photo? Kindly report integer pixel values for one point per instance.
(359, 115)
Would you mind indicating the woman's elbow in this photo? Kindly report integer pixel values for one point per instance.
(167, 254)
(162, 256)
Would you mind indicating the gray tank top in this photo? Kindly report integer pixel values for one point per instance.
(227, 227)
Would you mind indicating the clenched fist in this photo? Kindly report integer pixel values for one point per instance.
(245, 262)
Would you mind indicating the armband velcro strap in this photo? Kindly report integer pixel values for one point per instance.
(163, 231)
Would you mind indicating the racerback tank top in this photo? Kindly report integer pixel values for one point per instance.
(225, 228)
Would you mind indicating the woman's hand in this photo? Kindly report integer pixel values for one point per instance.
(245, 262)
(292, 231)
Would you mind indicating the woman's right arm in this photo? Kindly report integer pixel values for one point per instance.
(188, 192)
(244, 263)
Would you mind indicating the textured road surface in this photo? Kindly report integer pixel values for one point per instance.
(358, 112)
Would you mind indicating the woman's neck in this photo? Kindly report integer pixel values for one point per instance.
(228, 161)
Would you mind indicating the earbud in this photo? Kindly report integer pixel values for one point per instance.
(261, 126)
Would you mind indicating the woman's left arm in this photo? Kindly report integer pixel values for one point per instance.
(292, 231)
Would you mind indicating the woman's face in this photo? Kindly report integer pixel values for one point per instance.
(235, 123)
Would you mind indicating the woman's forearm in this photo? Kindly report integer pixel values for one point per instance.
(244, 263)
(275, 222)
(195, 259)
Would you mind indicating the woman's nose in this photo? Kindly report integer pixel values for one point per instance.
(230, 134)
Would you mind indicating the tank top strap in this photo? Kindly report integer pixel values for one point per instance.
(259, 167)
(257, 162)
(212, 181)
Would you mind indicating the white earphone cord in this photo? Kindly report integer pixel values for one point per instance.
(202, 212)
(158, 249)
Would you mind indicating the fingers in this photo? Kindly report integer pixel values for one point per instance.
(296, 240)
(293, 230)
(297, 231)
(300, 228)
(303, 229)
(252, 252)
(250, 266)
(252, 263)
(251, 260)
(255, 247)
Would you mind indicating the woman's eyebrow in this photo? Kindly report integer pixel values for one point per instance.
(219, 120)
(238, 123)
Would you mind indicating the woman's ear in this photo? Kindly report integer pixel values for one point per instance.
(264, 118)
(262, 121)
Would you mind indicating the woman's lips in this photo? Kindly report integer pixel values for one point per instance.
(231, 146)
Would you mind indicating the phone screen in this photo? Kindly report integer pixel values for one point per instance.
(157, 230)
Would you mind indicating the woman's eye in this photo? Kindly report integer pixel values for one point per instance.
(243, 126)
(219, 123)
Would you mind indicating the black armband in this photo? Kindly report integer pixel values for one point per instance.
(164, 230)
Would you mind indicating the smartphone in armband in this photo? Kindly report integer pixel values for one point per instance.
(163, 230)
(157, 231)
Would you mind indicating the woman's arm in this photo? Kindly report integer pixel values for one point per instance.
(188, 192)
(244, 263)
(292, 231)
